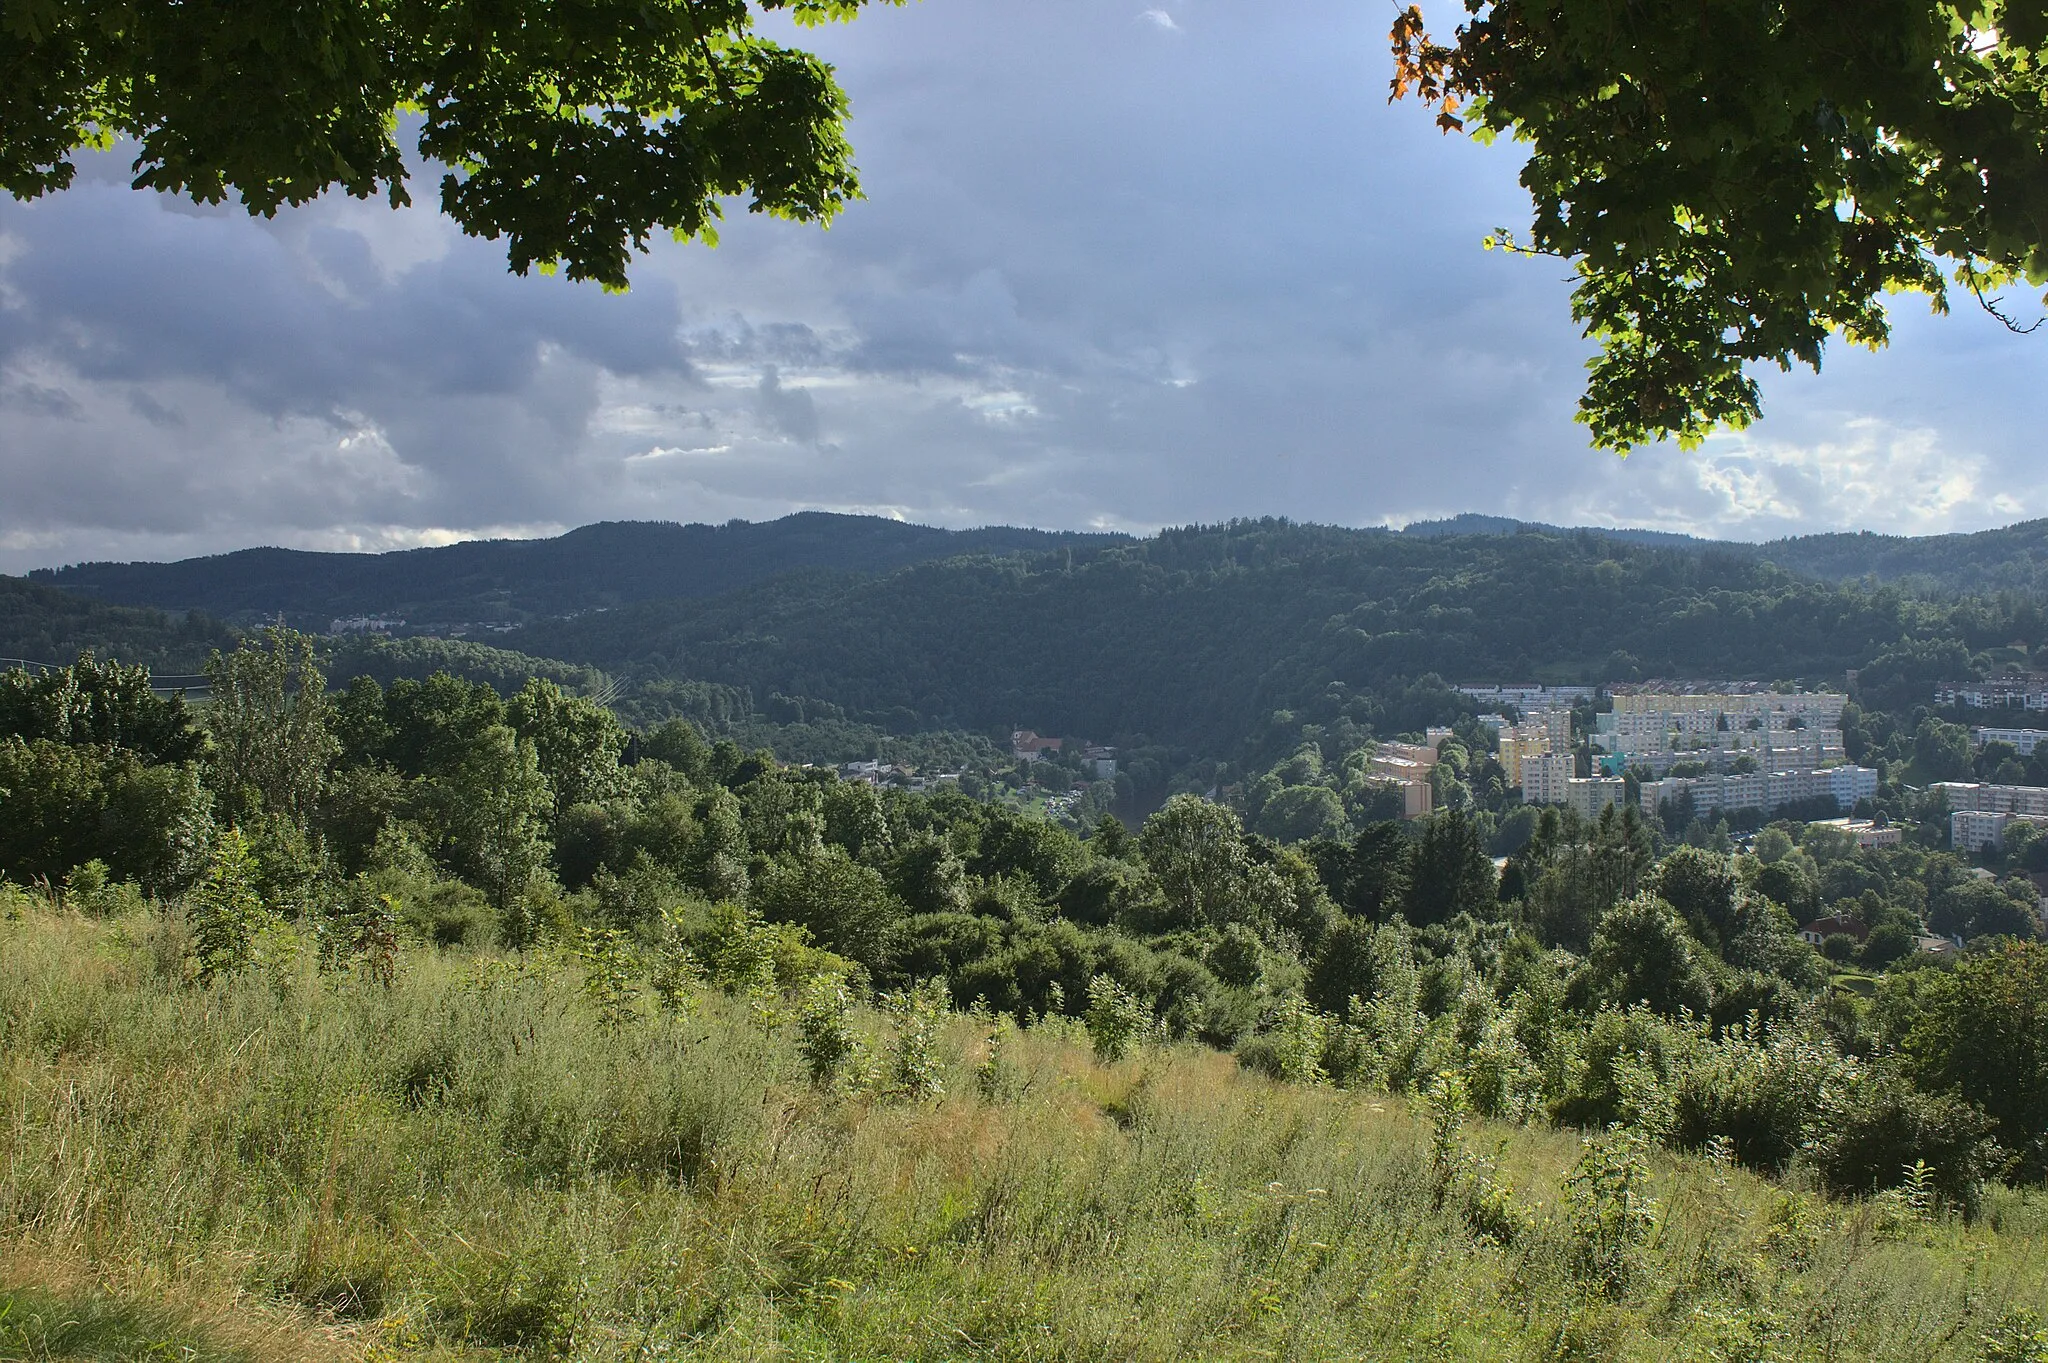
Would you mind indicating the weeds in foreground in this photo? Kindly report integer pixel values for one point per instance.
(471, 1161)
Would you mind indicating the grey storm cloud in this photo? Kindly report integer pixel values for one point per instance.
(1120, 265)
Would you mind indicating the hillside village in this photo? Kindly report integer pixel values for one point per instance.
(1680, 755)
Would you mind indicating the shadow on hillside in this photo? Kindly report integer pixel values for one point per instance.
(40, 1326)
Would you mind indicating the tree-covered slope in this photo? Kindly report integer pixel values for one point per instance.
(2013, 558)
(39, 624)
(1196, 637)
(590, 568)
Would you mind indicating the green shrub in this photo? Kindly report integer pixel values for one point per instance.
(1872, 1131)
(914, 1073)
(1609, 1213)
(1759, 1087)
(825, 1035)
(224, 910)
(1298, 1034)
(995, 1077)
(610, 978)
(1115, 1020)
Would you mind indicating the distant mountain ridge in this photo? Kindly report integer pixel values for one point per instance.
(611, 563)
(2009, 558)
(1476, 523)
(615, 564)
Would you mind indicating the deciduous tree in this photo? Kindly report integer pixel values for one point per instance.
(572, 131)
(1733, 182)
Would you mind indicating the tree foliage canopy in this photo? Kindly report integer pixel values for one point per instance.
(573, 131)
(1734, 181)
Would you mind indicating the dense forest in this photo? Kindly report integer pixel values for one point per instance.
(2010, 558)
(40, 624)
(1206, 640)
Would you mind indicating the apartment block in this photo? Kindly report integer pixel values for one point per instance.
(1529, 696)
(1984, 797)
(1544, 776)
(1407, 766)
(1973, 830)
(1588, 795)
(2026, 740)
(1777, 731)
(2013, 691)
(1756, 790)
(1866, 832)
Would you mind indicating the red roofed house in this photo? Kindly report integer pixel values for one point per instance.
(1029, 747)
(1820, 929)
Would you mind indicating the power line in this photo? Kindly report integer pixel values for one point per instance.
(153, 676)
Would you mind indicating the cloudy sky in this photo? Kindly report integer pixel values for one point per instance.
(1119, 267)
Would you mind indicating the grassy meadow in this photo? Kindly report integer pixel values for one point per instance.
(476, 1159)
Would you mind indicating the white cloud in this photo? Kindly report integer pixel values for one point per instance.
(1871, 475)
(1159, 18)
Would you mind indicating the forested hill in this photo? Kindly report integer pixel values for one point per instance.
(1195, 638)
(40, 624)
(626, 562)
(2011, 558)
(602, 565)
(2014, 558)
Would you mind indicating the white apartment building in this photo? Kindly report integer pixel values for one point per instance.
(1973, 830)
(2026, 740)
(2014, 691)
(1790, 731)
(1530, 696)
(1984, 797)
(1758, 790)
(1544, 777)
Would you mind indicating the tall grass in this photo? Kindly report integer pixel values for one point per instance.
(479, 1161)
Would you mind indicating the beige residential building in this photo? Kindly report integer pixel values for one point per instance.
(1588, 795)
(1541, 731)
(1866, 832)
(1973, 830)
(1822, 708)
(1408, 766)
(1544, 776)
